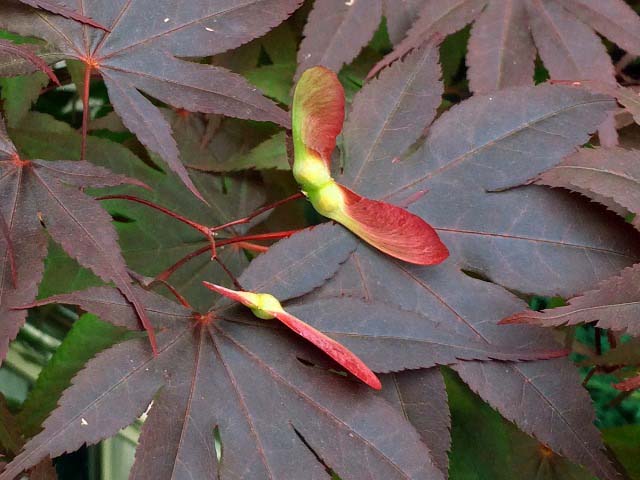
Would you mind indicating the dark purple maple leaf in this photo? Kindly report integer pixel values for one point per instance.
(40, 197)
(11, 49)
(456, 181)
(222, 369)
(506, 35)
(58, 9)
(610, 176)
(233, 369)
(336, 31)
(143, 51)
(422, 397)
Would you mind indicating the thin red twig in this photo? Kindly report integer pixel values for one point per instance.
(235, 281)
(260, 211)
(183, 301)
(164, 275)
(254, 247)
(201, 228)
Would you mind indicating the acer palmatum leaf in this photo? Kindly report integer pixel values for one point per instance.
(45, 197)
(336, 31)
(317, 119)
(26, 53)
(239, 375)
(626, 96)
(485, 143)
(615, 305)
(144, 54)
(507, 33)
(266, 306)
(609, 176)
(58, 9)
(406, 98)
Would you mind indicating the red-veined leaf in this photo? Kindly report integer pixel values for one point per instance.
(65, 12)
(26, 53)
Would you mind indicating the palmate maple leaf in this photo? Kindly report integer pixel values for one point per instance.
(40, 197)
(10, 49)
(242, 374)
(143, 51)
(274, 400)
(54, 7)
(505, 36)
(454, 181)
(610, 176)
(152, 242)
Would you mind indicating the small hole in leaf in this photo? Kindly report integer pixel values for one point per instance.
(217, 440)
(305, 362)
(122, 218)
(476, 275)
(328, 469)
(41, 220)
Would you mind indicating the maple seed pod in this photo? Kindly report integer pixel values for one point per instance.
(311, 173)
(267, 307)
(327, 200)
(266, 303)
(317, 118)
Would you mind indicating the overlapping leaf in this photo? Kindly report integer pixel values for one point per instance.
(615, 304)
(276, 413)
(611, 177)
(140, 54)
(336, 31)
(150, 241)
(453, 181)
(507, 33)
(247, 365)
(40, 197)
(53, 7)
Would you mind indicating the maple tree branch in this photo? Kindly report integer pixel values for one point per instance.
(165, 274)
(183, 301)
(240, 240)
(257, 236)
(207, 231)
(253, 247)
(260, 211)
(618, 399)
(589, 375)
(235, 281)
(200, 228)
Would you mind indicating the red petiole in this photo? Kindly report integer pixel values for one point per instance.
(244, 241)
(240, 240)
